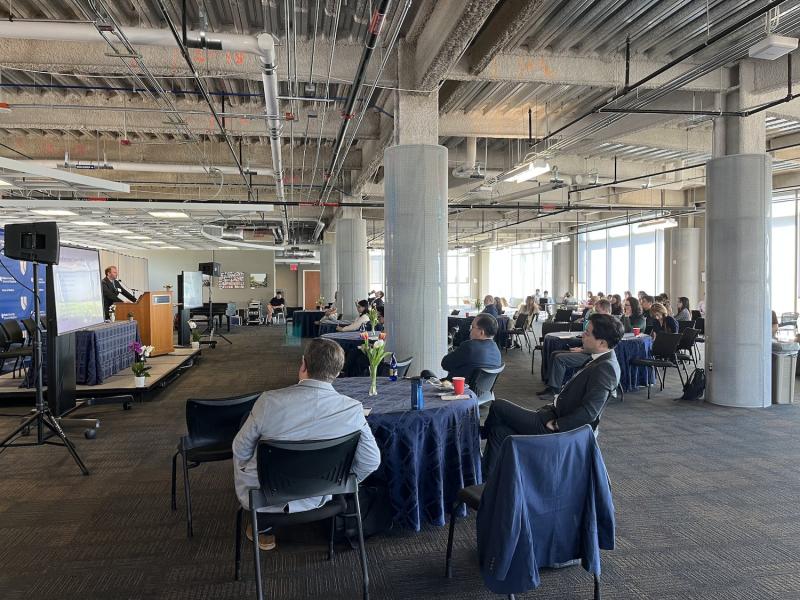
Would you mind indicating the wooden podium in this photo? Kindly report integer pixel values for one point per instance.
(153, 313)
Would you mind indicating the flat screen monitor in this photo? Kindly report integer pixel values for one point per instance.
(191, 283)
(77, 294)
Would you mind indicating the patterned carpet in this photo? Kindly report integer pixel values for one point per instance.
(706, 501)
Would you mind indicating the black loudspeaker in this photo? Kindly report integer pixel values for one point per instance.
(211, 268)
(36, 242)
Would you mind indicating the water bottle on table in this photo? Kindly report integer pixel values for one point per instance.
(393, 369)
(417, 400)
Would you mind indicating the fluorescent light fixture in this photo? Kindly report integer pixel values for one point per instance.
(532, 170)
(89, 223)
(4, 183)
(228, 248)
(171, 248)
(168, 214)
(115, 231)
(54, 212)
(136, 237)
(561, 240)
(156, 242)
(772, 47)
(655, 225)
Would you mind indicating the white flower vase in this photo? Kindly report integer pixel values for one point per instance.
(140, 381)
(195, 345)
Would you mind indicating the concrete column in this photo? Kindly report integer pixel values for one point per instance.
(416, 252)
(329, 278)
(562, 269)
(416, 116)
(684, 264)
(737, 258)
(351, 261)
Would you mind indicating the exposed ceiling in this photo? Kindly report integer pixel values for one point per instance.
(82, 108)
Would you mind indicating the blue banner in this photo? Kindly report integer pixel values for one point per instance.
(16, 302)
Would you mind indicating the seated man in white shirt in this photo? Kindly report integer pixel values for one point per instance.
(310, 410)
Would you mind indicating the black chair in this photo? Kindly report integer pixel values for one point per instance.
(471, 497)
(563, 315)
(482, 382)
(9, 351)
(686, 348)
(548, 327)
(302, 469)
(665, 348)
(684, 325)
(521, 326)
(451, 336)
(696, 314)
(454, 313)
(13, 332)
(30, 327)
(211, 426)
(403, 365)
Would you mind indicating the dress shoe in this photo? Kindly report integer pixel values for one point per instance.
(266, 541)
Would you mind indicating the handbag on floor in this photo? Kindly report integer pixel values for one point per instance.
(695, 386)
(376, 515)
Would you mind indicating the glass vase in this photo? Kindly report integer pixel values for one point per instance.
(373, 380)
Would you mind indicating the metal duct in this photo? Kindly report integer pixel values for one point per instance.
(149, 167)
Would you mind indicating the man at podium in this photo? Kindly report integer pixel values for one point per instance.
(113, 289)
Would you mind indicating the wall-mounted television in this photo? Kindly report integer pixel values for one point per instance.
(74, 290)
(231, 280)
(190, 289)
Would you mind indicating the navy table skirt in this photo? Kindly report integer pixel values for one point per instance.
(426, 455)
(628, 349)
(304, 322)
(348, 340)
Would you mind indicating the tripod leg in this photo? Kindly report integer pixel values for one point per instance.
(24, 425)
(52, 425)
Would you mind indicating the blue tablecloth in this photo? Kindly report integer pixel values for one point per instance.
(304, 320)
(331, 327)
(426, 455)
(346, 339)
(100, 352)
(629, 348)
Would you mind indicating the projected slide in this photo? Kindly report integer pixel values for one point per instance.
(76, 289)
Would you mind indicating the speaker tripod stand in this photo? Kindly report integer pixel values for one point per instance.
(42, 418)
(211, 329)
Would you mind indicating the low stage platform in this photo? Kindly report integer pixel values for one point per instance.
(164, 370)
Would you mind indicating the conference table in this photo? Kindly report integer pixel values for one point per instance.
(100, 352)
(304, 320)
(629, 348)
(426, 455)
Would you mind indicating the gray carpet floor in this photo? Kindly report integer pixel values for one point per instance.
(706, 503)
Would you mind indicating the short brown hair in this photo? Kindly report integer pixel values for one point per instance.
(108, 269)
(324, 359)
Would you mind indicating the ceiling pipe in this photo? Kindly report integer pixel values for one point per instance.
(262, 46)
(469, 169)
(375, 26)
(150, 167)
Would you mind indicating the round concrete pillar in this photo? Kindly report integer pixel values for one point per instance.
(328, 273)
(351, 263)
(415, 216)
(684, 265)
(562, 270)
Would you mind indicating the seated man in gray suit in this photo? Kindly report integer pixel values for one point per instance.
(310, 410)
(574, 358)
(580, 402)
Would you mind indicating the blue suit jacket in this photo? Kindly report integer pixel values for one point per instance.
(547, 502)
(470, 355)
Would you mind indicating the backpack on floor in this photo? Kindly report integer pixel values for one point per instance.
(695, 386)
(376, 515)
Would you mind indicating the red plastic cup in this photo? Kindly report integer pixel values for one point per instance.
(458, 385)
(636, 331)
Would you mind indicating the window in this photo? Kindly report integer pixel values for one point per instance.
(517, 272)
(783, 257)
(377, 281)
(458, 277)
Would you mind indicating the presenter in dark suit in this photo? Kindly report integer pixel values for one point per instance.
(112, 290)
(580, 402)
(480, 350)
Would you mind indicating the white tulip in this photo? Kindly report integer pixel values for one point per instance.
(378, 344)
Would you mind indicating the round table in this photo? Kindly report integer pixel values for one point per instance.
(426, 455)
(629, 348)
(346, 339)
(304, 322)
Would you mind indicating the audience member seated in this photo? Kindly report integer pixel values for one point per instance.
(377, 300)
(489, 306)
(331, 316)
(632, 317)
(362, 319)
(684, 310)
(276, 304)
(660, 321)
(646, 303)
(616, 305)
(574, 358)
(529, 308)
(774, 324)
(284, 414)
(479, 350)
(498, 305)
(580, 402)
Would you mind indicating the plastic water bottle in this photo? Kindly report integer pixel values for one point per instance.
(417, 400)
(393, 369)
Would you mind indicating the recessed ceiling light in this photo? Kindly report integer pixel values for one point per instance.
(89, 223)
(136, 237)
(54, 212)
(115, 231)
(169, 214)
